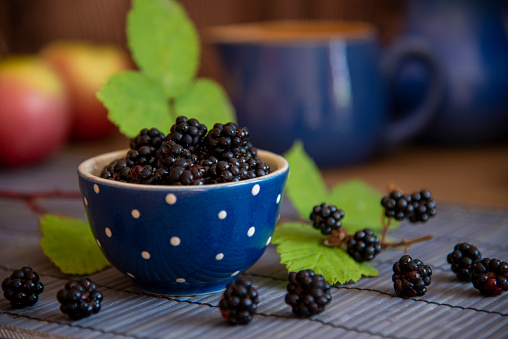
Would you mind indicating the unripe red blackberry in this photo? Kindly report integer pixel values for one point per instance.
(410, 277)
(22, 287)
(462, 258)
(490, 276)
(308, 293)
(364, 245)
(239, 301)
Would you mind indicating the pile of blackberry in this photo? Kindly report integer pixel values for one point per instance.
(462, 258)
(188, 155)
(239, 302)
(22, 287)
(80, 298)
(326, 218)
(490, 276)
(411, 277)
(308, 293)
(417, 207)
(364, 245)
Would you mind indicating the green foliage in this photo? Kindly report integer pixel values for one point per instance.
(301, 247)
(306, 188)
(165, 46)
(70, 245)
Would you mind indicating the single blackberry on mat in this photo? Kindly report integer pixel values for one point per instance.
(463, 256)
(22, 287)
(490, 276)
(397, 205)
(411, 277)
(424, 206)
(80, 298)
(239, 301)
(326, 218)
(188, 133)
(308, 293)
(364, 245)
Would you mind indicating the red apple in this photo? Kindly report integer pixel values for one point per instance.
(84, 68)
(34, 111)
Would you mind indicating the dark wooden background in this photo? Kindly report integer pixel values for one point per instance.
(27, 25)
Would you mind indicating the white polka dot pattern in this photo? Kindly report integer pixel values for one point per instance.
(145, 255)
(175, 241)
(135, 214)
(222, 214)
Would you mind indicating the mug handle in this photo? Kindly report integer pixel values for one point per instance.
(410, 123)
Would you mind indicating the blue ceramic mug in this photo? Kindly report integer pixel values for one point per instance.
(320, 82)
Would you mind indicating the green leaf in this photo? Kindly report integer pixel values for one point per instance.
(135, 102)
(361, 204)
(70, 245)
(301, 247)
(206, 101)
(305, 187)
(164, 43)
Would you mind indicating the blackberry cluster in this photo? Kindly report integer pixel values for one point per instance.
(308, 293)
(411, 277)
(417, 207)
(462, 258)
(326, 218)
(239, 302)
(22, 287)
(80, 298)
(364, 245)
(490, 276)
(188, 155)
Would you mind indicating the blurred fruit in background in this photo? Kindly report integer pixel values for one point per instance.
(84, 67)
(34, 111)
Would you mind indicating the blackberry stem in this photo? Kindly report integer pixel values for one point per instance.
(386, 226)
(30, 199)
(406, 243)
(337, 237)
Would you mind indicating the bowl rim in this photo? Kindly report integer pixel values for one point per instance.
(95, 163)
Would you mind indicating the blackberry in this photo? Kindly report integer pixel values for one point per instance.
(170, 151)
(239, 302)
(22, 287)
(461, 259)
(490, 276)
(397, 205)
(424, 206)
(140, 174)
(80, 298)
(117, 170)
(326, 218)
(143, 147)
(225, 141)
(188, 133)
(308, 293)
(364, 245)
(147, 137)
(410, 277)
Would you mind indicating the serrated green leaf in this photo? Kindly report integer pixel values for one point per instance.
(70, 245)
(206, 101)
(361, 204)
(301, 247)
(164, 43)
(305, 187)
(135, 102)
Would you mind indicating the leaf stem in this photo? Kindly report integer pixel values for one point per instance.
(386, 226)
(406, 243)
(31, 198)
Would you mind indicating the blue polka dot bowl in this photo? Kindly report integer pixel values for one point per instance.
(182, 240)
